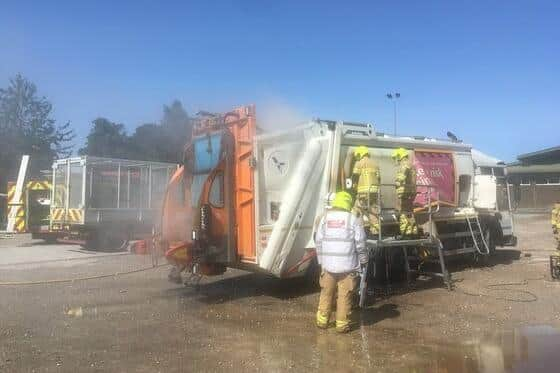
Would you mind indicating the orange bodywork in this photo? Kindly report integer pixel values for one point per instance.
(244, 130)
(232, 224)
(177, 217)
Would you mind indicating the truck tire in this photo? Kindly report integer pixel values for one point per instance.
(483, 260)
(489, 234)
(91, 241)
(51, 240)
(105, 240)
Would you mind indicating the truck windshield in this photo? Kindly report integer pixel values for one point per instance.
(207, 152)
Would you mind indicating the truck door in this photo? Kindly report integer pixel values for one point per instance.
(243, 127)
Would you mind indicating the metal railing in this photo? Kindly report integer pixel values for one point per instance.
(431, 207)
(430, 189)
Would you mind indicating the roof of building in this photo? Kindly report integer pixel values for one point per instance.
(540, 155)
(520, 168)
(484, 160)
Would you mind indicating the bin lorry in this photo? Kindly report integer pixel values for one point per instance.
(251, 200)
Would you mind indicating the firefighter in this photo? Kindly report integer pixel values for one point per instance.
(405, 183)
(365, 175)
(341, 252)
(555, 258)
(555, 220)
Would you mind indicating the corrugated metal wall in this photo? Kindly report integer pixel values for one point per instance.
(535, 196)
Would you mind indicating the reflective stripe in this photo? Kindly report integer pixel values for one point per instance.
(368, 175)
(342, 323)
(336, 239)
(322, 319)
(329, 253)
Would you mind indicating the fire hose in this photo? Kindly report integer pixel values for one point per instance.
(58, 281)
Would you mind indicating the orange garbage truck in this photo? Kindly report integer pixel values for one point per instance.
(247, 199)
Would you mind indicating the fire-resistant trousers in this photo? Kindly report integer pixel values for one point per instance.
(366, 207)
(332, 283)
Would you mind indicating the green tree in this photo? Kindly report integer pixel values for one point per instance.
(149, 143)
(106, 139)
(27, 127)
(162, 142)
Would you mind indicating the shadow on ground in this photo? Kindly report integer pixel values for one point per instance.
(500, 257)
(231, 288)
(246, 286)
(374, 314)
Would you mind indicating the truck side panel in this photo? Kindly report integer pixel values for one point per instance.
(243, 129)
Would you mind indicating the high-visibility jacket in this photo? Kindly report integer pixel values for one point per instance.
(405, 179)
(368, 175)
(340, 241)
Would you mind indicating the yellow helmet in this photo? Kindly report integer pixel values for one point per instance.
(342, 200)
(360, 152)
(399, 154)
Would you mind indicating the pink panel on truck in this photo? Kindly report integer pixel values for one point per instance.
(435, 168)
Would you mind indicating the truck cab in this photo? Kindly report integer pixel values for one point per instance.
(208, 212)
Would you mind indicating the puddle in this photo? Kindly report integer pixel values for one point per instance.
(526, 349)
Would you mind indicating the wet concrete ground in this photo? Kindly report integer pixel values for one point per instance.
(504, 317)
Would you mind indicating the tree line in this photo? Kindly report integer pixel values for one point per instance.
(163, 141)
(28, 126)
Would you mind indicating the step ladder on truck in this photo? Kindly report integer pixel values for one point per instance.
(251, 200)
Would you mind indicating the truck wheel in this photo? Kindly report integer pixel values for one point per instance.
(105, 241)
(51, 240)
(112, 241)
(489, 238)
(91, 242)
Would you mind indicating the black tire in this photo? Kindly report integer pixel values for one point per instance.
(91, 242)
(489, 234)
(105, 240)
(51, 240)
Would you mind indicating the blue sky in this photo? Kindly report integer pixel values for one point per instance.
(488, 71)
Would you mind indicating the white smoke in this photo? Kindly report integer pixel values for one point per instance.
(276, 114)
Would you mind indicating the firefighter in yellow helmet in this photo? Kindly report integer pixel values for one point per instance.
(405, 182)
(555, 258)
(555, 221)
(340, 241)
(366, 177)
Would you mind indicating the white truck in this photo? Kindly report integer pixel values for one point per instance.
(252, 200)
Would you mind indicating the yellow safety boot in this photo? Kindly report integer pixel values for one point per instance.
(322, 321)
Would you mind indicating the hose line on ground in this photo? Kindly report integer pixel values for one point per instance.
(532, 297)
(58, 281)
